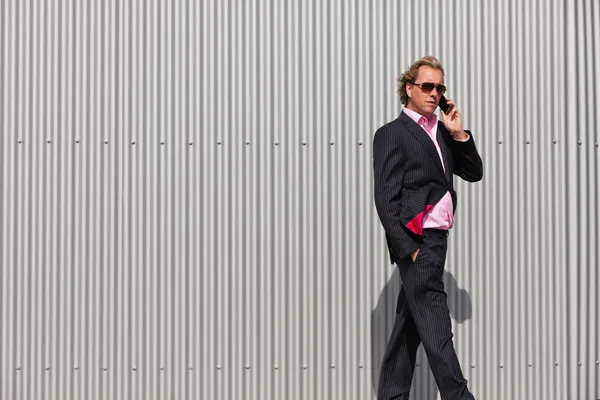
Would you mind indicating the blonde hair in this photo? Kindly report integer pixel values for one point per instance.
(411, 74)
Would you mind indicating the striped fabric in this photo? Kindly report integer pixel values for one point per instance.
(422, 316)
(409, 180)
(409, 177)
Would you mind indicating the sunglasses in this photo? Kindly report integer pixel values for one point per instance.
(428, 87)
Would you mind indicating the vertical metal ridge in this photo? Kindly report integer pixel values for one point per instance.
(4, 43)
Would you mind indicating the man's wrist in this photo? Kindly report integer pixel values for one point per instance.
(461, 136)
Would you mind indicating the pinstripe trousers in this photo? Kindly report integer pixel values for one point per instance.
(422, 316)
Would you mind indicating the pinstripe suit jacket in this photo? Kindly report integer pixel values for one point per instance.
(410, 179)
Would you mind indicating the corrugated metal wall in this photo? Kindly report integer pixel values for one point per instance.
(186, 196)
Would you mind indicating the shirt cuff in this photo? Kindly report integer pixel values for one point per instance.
(462, 140)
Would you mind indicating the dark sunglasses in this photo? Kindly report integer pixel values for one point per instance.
(428, 87)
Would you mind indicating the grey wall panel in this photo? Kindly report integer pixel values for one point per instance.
(186, 197)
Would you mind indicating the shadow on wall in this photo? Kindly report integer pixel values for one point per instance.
(382, 321)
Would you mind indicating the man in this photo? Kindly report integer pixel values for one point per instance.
(414, 159)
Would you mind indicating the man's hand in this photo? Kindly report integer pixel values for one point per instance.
(453, 121)
(414, 254)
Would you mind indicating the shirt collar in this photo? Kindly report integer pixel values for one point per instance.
(415, 116)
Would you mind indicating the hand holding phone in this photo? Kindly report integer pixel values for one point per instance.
(452, 118)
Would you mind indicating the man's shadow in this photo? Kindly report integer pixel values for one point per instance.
(382, 322)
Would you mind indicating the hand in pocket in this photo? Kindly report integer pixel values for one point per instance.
(414, 254)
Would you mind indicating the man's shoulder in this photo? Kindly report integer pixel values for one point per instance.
(390, 127)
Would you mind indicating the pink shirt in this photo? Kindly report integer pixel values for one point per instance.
(441, 215)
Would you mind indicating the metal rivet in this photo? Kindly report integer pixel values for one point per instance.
(77, 140)
(579, 142)
(579, 363)
(76, 367)
(105, 141)
(191, 143)
(104, 368)
(597, 362)
(162, 367)
(134, 368)
(162, 142)
(191, 367)
(332, 366)
(247, 143)
(304, 143)
(276, 143)
(247, 366)
(133, 142)
(219, 143)
(596, 144)
(555, 141)
(219, 367)
(304, 366)
(331, 143)
(556, 363)
(275, 367)
(47, 368)
(418, 365)
(48, 141)
(18, 367)
(529, 364)
(360, 366)
(19, 141)
(500, 141)
(528, 142)
(501, 365)
(360, 143)
(472, 365)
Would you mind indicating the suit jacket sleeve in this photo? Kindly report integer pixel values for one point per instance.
(467, 162)
(389, 169)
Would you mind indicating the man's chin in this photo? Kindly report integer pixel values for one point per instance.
(429, 109)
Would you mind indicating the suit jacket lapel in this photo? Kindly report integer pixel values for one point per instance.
(422, 136)
(444, 149)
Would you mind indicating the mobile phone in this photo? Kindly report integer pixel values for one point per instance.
(444, 106)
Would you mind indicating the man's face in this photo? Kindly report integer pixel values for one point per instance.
(420, 99)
